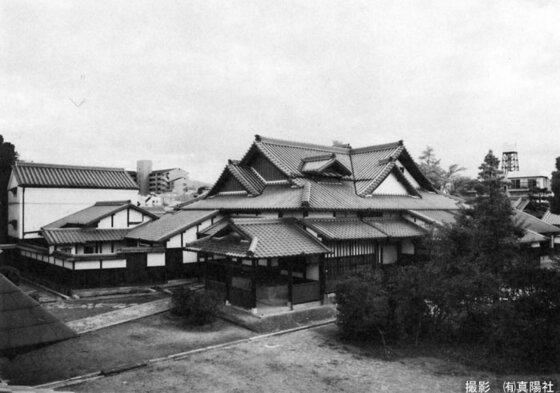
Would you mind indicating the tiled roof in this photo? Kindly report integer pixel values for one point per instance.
(552, 219)
(170, 224)
(262, 238)
(396, 228)
(343, 228)
(48, 175)
(91, 215)
(215, 228)
(532, 237)
(329, 196)
(436, 216)
(527, 221)
(82, 236)
(248, 179)
(24, 323)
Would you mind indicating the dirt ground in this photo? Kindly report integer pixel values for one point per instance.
(306, 361)
(133, 342)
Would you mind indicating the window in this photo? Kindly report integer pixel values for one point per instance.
(89, 249)
(532, 183)
(515, 183)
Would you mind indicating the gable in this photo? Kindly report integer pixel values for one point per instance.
(391, 186)
(406, 172)
(265, 168)
(230, 184)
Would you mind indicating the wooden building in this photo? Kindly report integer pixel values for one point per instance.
(298, 217)
(41, 193)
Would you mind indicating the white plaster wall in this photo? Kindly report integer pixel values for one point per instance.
(87, 265)
(313, 272)
(391, 186)
(174, 242)
(156, 259)
(45, 205)
(407, 247)
(189, 257)
(135, 216)
(14, 209)
(114, 264)
(389, 253)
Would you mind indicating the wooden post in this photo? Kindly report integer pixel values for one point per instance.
(228, 279)
(254, 283)
(290, 284)
(205, 270)
(322, 284)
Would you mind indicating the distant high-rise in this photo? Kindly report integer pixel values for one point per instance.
(510, 160)
(159, 181)
(143, 170)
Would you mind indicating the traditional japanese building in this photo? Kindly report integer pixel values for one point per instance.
(41, 193)
(298, 217)
(89, 248)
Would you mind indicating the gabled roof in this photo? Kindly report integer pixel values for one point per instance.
(438, 217)
(64, 176)
(530, 236)
(24, 323)
(396, 228)
(261, 238)
(323, 196)
(82, 236)
(343, 228)
(526, 221)
(248, 179)
(91, 215)
(324, 165)
(368, 167)
(169, 225)
(552, 219)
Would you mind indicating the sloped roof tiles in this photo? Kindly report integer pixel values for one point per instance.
(343, 228)
(82, 236)
(169, 225)
(24, 323)
(270, 238)
(93, 214)
(552, 219)
(49, 175)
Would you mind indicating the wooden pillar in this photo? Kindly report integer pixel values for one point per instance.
(205, 270)
(254, 283)
(228, 279)
(322, 283)
(290, 284)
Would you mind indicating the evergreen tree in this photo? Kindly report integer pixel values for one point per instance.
(555, 187)
(495, 236)
(8, 156)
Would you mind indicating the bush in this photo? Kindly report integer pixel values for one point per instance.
(11, 273)
(363, 308)
(197, 308)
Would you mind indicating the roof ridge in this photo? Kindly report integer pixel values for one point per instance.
(301, 145)
(367, 149)
(78, 167)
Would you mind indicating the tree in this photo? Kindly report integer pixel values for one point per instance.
(8, 157)
(441, 178)
(555, 187)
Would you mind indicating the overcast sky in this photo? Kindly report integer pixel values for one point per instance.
(188, 83)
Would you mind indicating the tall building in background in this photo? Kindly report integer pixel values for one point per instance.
(160, 181)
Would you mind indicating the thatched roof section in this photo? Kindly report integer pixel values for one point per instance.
(24, 324)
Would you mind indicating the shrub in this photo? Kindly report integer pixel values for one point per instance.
(11, 273)
(197, 308)
(363, 308)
